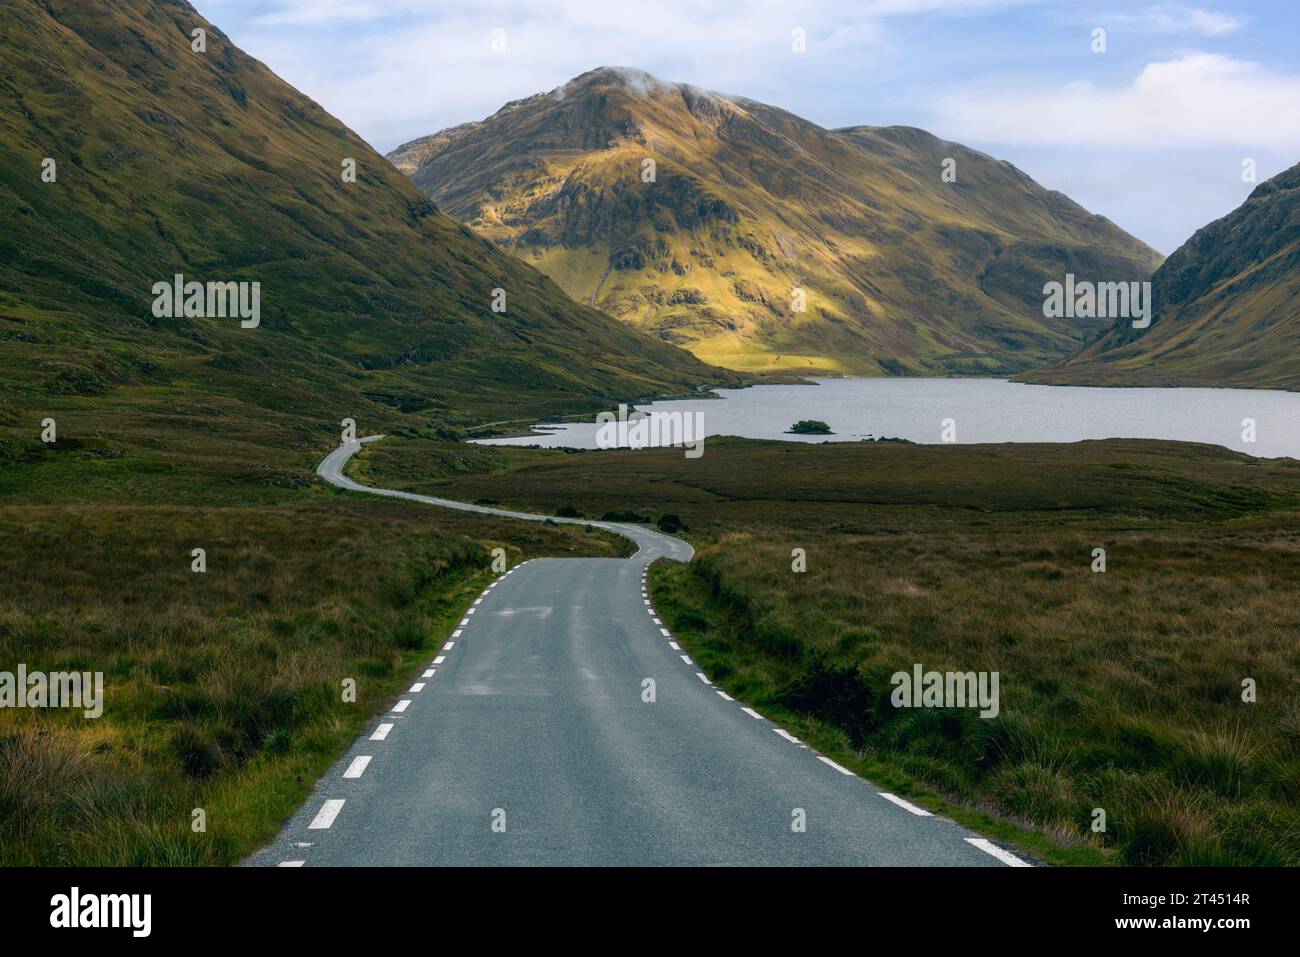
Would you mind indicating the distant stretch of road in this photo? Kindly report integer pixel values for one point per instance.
(532, 738)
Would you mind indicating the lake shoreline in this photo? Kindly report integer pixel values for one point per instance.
(967, 410)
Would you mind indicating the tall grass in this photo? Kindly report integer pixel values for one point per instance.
(224, 688)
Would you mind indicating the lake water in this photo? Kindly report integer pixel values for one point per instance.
(981, 410)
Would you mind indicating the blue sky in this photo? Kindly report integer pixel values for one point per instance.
(1151, 133)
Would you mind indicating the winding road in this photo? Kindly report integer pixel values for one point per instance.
(529, 739)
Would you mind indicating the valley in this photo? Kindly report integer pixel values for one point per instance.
(210, 284)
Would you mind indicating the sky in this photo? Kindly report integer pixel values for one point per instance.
(1153, 131)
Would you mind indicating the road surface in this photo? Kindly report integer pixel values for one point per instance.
(529, 739)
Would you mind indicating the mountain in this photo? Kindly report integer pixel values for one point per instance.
(1224, 307)
(171, 161)
(902, 271)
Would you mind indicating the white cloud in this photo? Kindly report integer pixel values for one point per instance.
(1176, 18)
(1198, 100)
(401, 68)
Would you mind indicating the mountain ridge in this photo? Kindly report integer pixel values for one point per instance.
(904, 274)
(1223, 307)
(168, 160)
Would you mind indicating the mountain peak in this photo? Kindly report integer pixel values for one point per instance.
(639, 85)
(695, 215)
(629, 78)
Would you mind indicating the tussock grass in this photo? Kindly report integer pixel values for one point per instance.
(223, 690)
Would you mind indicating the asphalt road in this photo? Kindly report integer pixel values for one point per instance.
(528, 739)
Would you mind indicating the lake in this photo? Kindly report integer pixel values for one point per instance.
(980, 410)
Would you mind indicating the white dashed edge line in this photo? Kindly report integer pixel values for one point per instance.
(905, 805)
(1006, 857)
(357, 767)
(325, 816)
(330, 810)
(838, 767)
(982, 843)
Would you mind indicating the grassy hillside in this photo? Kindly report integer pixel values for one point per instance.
(904, 273)
(1120, 690)
(1224, 307)
(206, 164)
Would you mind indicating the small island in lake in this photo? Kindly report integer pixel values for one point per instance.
(809, 427)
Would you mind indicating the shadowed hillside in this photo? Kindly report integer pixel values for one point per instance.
(167, 160)
(1225, 307)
